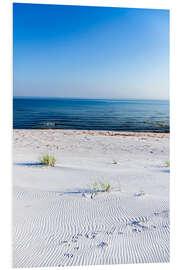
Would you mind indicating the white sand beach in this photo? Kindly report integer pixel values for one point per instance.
(57, 221)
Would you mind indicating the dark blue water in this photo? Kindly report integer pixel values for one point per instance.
(95, 114)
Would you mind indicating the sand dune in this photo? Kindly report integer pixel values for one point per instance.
(55, 221)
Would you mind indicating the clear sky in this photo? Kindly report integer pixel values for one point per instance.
(90, 52)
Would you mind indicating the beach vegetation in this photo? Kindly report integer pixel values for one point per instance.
(168, 163)
(120, 188)
(48, 160)
(95, 188)
(98, 187)
(105, 187)
(53, 161)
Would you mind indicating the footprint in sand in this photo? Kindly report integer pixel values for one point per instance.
(68, 255)
(111, 231)
(164, 213)
(91, 235)
(140, 194)
(75, 237)
(102, 245)
(140, 226)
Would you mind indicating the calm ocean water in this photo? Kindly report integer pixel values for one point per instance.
(97, 114)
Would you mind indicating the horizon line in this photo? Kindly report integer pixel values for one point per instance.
(166, 99)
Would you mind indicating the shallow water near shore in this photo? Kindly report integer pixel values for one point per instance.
(91, 114)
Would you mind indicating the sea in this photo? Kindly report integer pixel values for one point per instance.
(91, 114)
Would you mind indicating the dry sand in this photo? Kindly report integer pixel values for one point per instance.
(55, 221)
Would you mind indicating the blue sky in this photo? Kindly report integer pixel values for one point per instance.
(90, 52)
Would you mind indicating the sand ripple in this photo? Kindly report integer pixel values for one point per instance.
(58, 230)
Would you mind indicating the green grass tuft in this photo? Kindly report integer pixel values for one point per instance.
(53, 161)
(48, 160)
(100, 187)
(105, 187)
(168, 163)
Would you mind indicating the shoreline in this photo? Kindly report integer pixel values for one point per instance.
(95, 132)
(98, 130)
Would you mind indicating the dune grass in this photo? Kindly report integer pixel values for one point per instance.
(98, 187)
(48, 160)
(105, 187)
(168, 163)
